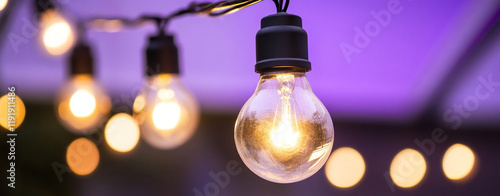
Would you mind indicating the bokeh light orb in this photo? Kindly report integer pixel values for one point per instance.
(122, 132)
(408, 168)
(18, 114)
(345, 167)
(458, 162)
(82, 156)
(3, 3)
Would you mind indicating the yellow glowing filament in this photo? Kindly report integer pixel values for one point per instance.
(82, 103)
(122, 132)
(284, 136)
(82, 156)
(458, 161)
(345, 167)
(166, 115)
(408, 168)
(284, 133)
(57, 35)
(3, 3)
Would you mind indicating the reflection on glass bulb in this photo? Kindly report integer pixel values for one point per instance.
(81, 104)
(166, 112)
(284, 134)
(57, 33)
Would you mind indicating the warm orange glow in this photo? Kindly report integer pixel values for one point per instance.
(122, 132)
(58, 36)
(113, 25)
(166, 115)
(408, 168)
(345, 167)
(3, 3)
(82, 103)
(458, 162)
(82, 156)
(18, 114)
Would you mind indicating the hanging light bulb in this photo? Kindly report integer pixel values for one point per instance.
(57, 34)
(283, 133)
(82, 102)
(166, 112)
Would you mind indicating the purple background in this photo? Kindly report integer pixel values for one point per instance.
(393, 79)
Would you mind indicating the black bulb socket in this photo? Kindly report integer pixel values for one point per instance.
(281, 44)
(81, 60)
(162, 56)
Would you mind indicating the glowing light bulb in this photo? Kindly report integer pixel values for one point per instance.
(122, 132)
(81, 104)
(3, 3)
(284, 134)
(166, 112)
(458, 162)
(16, 110)
(57, 36)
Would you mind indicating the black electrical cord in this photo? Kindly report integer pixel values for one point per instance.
(286, 5)
(211, 9)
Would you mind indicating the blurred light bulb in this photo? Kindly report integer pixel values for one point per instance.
(458, 162)
(284, 134)
(57, 36)
(122, 132)
(166, 112)
(81, 104)
(3, 3)
(18, 113)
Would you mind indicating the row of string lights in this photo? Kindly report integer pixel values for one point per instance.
(166, 115)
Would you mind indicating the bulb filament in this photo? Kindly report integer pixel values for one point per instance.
(285, 134)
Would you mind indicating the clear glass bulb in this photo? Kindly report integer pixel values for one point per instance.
(166, 112)
(81, 104)
(283, 133)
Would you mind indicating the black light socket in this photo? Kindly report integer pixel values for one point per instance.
(81, 60)
(162, 55)
(42, 6)
(281, 43)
